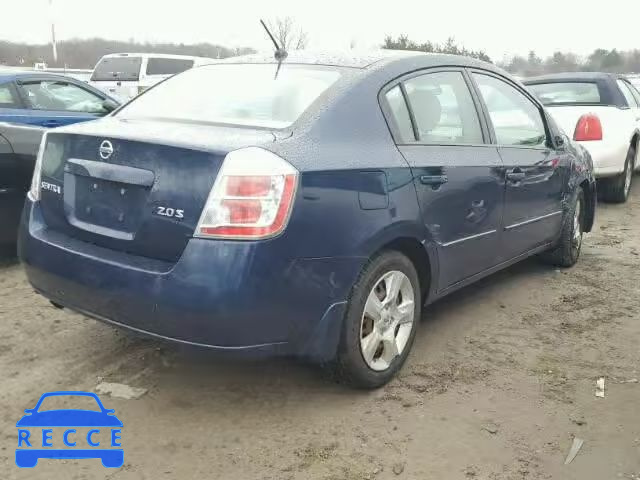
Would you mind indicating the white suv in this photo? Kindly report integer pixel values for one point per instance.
(125, 75)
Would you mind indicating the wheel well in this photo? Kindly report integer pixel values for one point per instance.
(589, 199)
(416, 252)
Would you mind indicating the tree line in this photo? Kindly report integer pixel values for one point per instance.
(79, 53)
(600, 60)
(402, 42)
(85, 53)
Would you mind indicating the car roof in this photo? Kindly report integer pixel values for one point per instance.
(9, 75)
(570, 77)
(151, 54)
(365, 59)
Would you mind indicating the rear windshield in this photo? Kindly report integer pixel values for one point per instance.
(117, 69)
(236, 94)
(567, 93)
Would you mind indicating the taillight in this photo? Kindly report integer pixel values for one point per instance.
(34, 191)
(251, 198)
(588, 128)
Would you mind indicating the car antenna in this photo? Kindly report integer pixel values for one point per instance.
(280, 53)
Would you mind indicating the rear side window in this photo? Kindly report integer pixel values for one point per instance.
(117, 69)
(7, 97)
(167, 66)
(400, 114)
(516, 119)
(626, 91)
(563, 93)
(443, 109)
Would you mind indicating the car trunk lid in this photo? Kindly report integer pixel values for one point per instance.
(136, 187)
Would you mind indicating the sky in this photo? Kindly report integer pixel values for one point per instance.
(501, 28)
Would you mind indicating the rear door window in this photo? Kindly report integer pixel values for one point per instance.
(443, 109)
(117, 69)
(167, 66)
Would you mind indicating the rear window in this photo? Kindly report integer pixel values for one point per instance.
(167, 66)
(238, 94)
(563, 93)
(117, 69)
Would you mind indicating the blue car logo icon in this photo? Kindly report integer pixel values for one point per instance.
(43, 433)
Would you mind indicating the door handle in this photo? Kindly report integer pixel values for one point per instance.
(516, 175)
(433, 179)
(50, 123)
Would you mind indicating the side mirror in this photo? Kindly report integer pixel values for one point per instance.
(109, 105)
(29, 410)
(560, 141)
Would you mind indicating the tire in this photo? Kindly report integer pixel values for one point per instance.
(616, 190)
(372, 351)
(567, 251)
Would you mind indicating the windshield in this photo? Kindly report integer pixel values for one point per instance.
(567, 93)
(117, 69)
(238, 94)
(69, 402)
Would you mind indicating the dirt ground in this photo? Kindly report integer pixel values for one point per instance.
(501, 379)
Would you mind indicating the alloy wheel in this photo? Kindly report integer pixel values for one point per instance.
(387, 320)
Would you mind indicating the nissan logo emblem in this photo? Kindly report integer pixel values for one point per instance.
(106, 149)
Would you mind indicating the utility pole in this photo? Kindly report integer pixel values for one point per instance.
(53, 33)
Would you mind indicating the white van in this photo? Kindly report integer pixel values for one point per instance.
(125, 75)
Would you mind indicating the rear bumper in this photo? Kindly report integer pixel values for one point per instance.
(608, 158)
(229, 296)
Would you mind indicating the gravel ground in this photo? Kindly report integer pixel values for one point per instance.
(501, 379)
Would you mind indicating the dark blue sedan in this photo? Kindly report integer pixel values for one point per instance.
(307, 209)
(48, 100)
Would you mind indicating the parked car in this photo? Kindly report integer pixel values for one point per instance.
(602, 112)
(312, 209)
(49, 100)
(18, 150)
(125, 75)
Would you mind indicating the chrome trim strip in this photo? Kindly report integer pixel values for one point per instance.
(532, 220)
(472, 237)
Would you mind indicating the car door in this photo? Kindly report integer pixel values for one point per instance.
(11, 106)
(56, 102)
(534, 172)
(457, 173)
